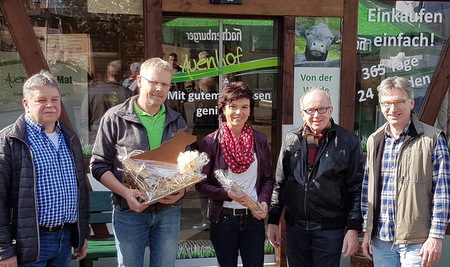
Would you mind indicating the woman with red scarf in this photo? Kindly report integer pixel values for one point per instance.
(243, 153)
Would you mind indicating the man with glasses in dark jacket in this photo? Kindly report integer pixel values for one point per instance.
(318, 184)
(143, 122)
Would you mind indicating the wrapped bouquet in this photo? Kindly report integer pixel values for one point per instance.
(230, 185)
(158, 179)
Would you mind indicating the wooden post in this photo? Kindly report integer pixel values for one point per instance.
(348, 65)
(153, 28)
(26, 42)
(438, 88)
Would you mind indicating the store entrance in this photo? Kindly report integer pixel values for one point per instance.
(207, 54)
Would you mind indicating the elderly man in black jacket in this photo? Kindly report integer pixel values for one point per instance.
(43, 193)
(318, 184)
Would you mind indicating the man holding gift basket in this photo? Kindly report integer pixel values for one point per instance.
(143, 122)
(239, 181)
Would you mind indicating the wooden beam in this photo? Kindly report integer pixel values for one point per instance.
(348, 65)
(438, 88)
(23, 36)
(287, 67)
(281, 259)
(304, 8)
(26, 43)
(153, 28)
(286, 106)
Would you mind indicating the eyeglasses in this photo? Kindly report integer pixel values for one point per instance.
(156, 84)
(312, 111)
(398, 103)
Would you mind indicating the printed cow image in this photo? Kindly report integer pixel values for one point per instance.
(318, 41)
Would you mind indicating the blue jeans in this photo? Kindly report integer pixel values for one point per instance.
(318, 248)
(55, 249)
(386, 254)
(232, 234)
(132, 231)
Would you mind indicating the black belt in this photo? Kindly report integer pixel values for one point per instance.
(318, 224)
(303, 224)
(236, 212)
(56, 228)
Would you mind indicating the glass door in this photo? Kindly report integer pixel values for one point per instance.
(206, 54)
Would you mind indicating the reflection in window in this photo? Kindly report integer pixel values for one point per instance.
(78, 41)
(398, 38)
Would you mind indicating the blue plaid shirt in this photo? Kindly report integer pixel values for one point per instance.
(56, 183)
(440, 185)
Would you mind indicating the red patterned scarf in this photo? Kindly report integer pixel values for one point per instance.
(314, 141)
(238, 154)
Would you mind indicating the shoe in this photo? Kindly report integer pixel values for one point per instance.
(199, 226)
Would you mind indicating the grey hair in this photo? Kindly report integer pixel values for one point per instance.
(156, 64)
(313, 90)
(135, 66)
(38, 80)
(390, 84)
(203, 53)
(114, 69)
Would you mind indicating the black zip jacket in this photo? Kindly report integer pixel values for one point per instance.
(330, 198)
(19, 229)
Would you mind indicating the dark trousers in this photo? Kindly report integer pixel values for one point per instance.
(238, 233)
(318, 248)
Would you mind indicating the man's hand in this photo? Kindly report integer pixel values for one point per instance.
(273, 234)
(80, 254)
(431, 251)
(367, 247)
(350, 244)
(134, 199)
(170, 199)
(9, 262)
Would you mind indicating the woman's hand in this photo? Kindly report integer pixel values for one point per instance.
(262, 215)
(239, 197)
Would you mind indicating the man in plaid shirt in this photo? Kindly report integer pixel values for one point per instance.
(44, 201)
(406, 189)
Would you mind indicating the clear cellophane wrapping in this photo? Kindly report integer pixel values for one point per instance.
(224, 178)
(159, 179)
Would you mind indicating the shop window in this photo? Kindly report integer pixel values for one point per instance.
(78, 40)
(81, 40)
(398, 38)
(317, 61)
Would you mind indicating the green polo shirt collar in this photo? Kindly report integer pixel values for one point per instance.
(153, 124)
